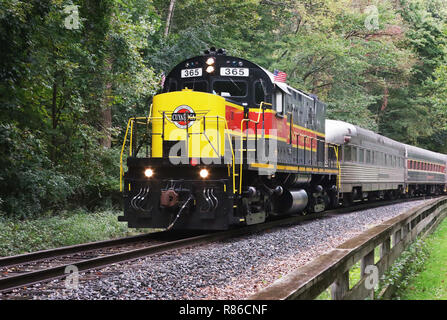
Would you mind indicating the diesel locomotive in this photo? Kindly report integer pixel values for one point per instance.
(227, 143)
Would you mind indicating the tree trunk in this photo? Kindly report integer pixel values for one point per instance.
(106, 110)
(168, 20)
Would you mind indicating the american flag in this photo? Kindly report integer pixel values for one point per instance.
(163, 79)
(280, 76)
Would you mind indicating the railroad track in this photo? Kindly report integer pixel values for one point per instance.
(28, 269)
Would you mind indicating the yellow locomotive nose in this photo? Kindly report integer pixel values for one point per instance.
(188, 124)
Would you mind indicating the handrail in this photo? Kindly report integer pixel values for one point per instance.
(241, 145)
(121, 156)
(335, 147)
(133, 120)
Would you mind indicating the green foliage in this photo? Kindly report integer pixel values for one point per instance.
(430, 282)
(68, 228)
(27, 182)
(55, 85)
(416, 114)
(409, 264)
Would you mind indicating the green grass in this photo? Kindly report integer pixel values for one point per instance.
(431, 283)
(68, 228)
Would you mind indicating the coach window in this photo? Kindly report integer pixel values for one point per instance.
(368, 156)
(201, 86)
(347, 153)
(354, 154)
(361, 155)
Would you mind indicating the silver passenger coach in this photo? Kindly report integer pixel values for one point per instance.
(373, 166)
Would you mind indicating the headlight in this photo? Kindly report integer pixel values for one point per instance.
(209, 69)
(210, 61)
(203, 173)
(148, 172)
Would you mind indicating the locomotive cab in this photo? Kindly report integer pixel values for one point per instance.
(236, 80)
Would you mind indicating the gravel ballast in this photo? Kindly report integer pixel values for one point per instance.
(231, 269)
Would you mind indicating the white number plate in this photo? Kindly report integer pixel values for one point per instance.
(188, 73)
(234, 72)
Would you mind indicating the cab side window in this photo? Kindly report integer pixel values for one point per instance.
(279, 102)
(259, 92)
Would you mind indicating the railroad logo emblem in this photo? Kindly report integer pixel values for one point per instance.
(183, 116)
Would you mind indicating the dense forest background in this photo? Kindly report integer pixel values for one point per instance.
(70, 78)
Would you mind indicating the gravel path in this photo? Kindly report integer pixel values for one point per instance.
(231, 269)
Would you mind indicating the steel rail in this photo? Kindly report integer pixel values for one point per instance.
(57, 252)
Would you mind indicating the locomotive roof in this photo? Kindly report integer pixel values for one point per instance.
(423, 154)
(336, 131)
(199, 61)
